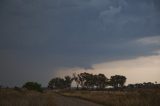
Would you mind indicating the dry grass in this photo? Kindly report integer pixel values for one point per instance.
(117, 98)
(11, 97)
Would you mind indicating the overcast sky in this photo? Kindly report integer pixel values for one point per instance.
(38, 38)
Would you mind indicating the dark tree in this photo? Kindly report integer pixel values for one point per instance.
(89, 80)
(76, 79)
(57, 83)
(33, 86)
(101, 81)
(81, 78)
(68, 81)
(86, 80)
(117, 81)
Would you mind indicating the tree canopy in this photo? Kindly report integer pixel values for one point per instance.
(88, 81)
(33, 86)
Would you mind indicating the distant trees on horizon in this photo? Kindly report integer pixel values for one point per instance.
(88, 81)
(143, 85)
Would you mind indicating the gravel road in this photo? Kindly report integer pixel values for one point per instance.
(70, 101)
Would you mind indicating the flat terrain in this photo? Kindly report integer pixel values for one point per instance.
(140, 97)
(11, 97)
(20, 97)
(71, 101)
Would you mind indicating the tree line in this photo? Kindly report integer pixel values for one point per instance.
(144, 85)
(88, 81)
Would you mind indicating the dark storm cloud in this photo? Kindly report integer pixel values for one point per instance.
(157, 4)
(38, 37)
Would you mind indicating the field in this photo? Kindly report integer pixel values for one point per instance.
(11, 97)
(143, 97)
(20, 97)
(140, 97)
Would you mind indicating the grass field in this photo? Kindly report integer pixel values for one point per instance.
(118, 98)
(141, 97)
(11, 97)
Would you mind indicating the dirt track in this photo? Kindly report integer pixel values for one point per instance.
(70, 101)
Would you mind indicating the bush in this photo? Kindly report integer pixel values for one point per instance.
(33, 86)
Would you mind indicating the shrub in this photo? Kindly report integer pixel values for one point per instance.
(33, 86)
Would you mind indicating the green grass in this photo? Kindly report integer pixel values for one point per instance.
(117, 98)
(11, 97)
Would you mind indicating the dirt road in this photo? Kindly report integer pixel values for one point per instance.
(70, 101)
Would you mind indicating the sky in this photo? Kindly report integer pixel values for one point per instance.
(42, 39)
